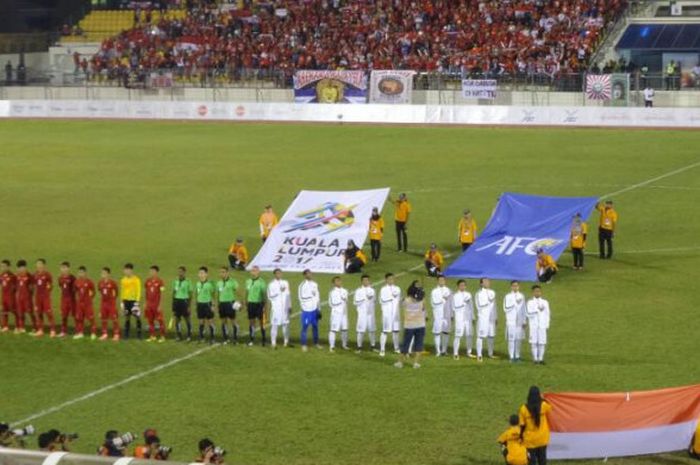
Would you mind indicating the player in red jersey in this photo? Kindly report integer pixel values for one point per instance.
(108, 305)
(66, 282)
(8, 283)
(154, 289)
(43, 284)
(25, 291)
(85, 292)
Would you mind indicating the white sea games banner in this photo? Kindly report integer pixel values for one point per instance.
(316, 228)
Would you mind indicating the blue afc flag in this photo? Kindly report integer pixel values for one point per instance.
(521, 224)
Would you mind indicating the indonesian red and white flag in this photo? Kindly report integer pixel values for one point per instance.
(622, 424)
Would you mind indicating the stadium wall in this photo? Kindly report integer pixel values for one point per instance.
(678, 99)
(492, 115)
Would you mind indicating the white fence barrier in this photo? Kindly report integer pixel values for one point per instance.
(31, 457)
(494, 115)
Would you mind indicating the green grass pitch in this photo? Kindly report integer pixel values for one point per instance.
(103, 193)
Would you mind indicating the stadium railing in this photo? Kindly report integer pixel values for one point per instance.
(29, 457)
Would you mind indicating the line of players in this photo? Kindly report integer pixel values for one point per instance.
(26, 294)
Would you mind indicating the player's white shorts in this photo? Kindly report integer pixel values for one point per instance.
(279, 317)
(485, 329)
(339, 321)
(390, 322)
(366, 322)
(439, 323)
(538, 335)
(463, 327)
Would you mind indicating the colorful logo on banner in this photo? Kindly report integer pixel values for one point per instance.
(311, 86)
(479, 88)
(389, 86)
(598, 87)
(521, 224)
(331, 217)
(315, 230)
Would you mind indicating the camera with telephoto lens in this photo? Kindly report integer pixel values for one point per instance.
(68, 437)
(219, 451)
(21, 432)
(122, 441)
(164, 452)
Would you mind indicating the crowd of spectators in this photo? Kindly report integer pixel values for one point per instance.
(464, 37)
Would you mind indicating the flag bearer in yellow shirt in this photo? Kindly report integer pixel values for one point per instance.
(467, 230)
(513, 449)
(579, 233)
(238, 255)
(546, 266)
(606, 228)
(268, 220)
(376, 232)
(434, 261)
(401, 214)
(534, 426)
(130, 292)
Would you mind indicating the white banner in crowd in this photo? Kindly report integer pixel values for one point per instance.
(389, 86)
(316, 228)
(479, 88)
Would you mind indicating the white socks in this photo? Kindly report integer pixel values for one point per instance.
(511, 350)
(360, 337)
(490, 344)
(541, 348)
(445, 342)
(331, 340)
(395, 336)
(516, 348)
(538, 352)
(455, 349)
(438, 343)
(344, 339)
(372, 339)
(470, 342)
(273, 335)
(479, 346)
(382, 342)
(285, 333)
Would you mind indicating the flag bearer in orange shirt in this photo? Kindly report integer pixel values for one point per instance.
(268, 220)
(401, 214)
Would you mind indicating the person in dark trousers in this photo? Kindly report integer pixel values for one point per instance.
(534, 426)
(402, 212)
(606, 228)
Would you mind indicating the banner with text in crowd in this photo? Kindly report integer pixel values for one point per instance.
(391, 86)
(323, 86)
(479, 88)
(521, 224)
(316, 228)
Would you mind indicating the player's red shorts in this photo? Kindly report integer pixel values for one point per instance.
(8, 304)
(153, 312)
(43, 304)
(67, 308)
(84, 310)
(108, 311)
(24, 305)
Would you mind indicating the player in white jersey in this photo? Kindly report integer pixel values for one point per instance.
(310, 302)
(538, 320)
(338, 301)
(463, 309)
(514, 309)
(390, 300)
(440, 303)
(364, 300)
(486, 318)
(280, 307)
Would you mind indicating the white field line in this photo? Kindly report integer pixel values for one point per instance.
(652, 180)
(158, 368)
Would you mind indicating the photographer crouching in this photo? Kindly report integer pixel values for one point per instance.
(210, 453)
(152, 449)
(55, 441)
(115, 444)
(14, 437)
